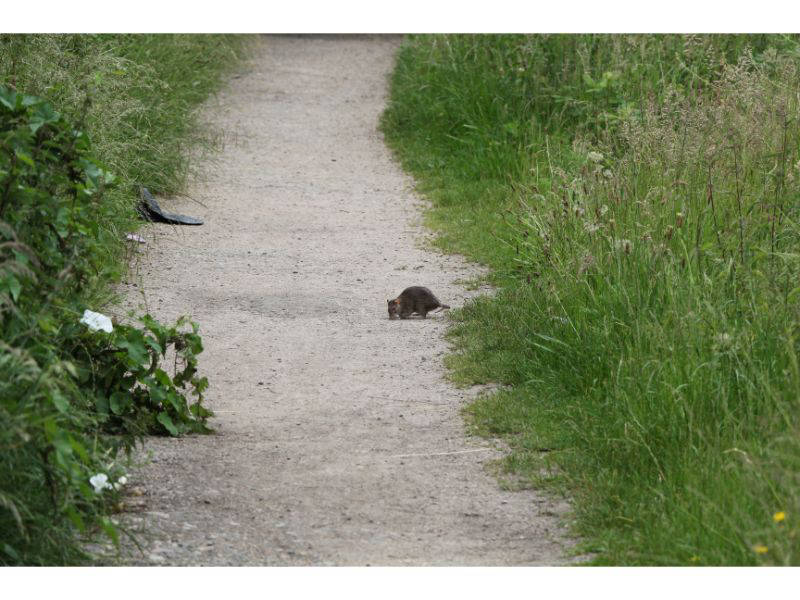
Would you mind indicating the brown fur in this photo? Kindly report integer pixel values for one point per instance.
(414, 299)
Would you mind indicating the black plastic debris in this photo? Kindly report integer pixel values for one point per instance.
(151, 211)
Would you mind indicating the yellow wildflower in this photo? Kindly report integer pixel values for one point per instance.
(779, 516)
(760, 549)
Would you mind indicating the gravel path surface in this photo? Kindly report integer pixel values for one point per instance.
(339, 441)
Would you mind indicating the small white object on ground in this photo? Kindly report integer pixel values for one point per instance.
(96, 321)
(135, 237)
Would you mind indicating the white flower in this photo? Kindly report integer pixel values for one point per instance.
(723, 342)
(120, 482)
(595, 157)
(99, 482)
(96, 321)
(590, 227)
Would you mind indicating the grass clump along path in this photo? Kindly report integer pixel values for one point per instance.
(636, 199)
(85, 120)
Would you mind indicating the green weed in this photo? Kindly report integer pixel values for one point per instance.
(634, 197)
(118, 114)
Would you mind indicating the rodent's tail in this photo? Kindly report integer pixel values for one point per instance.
(443, 306)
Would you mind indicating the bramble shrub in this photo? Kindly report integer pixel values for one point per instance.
(133, 395)
(71, 398)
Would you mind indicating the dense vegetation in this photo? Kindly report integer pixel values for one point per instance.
(84, 120)
(636, 198)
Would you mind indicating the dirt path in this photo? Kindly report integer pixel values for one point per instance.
(339, 440)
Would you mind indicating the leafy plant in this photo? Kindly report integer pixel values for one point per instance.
(70, 397)
(134, 395)
(121, 104)
(51, 190)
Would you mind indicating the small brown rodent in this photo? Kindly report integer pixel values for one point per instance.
(414, 299)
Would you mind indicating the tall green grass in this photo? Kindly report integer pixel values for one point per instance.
(75, 110)
(636, 199)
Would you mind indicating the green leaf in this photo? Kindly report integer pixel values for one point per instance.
(135, 349)
(95, 173)
(28, 100)
(163, 378)
(42, 114)
(201, 385)
(154, 345)
(512, 128)
(110, 530)
(157, 393)
(164, 419)
(101, 404)
(62, 222)
(47, 325)
(75, 517)
(176, 401)
(70, 368)
(8, 98)
(9, 550)
(63, 450)
(200, 411)
(61, 403)
(25, 158)
(9, 505)
(35, 123)
(12, 285)
(119, 402)
(79, 449)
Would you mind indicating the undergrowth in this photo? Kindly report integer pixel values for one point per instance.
(85, 120)
(635, 197)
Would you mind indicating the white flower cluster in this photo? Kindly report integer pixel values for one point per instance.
(595, 157)
(100, 482)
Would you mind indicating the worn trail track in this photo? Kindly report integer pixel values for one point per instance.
(339, 440)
